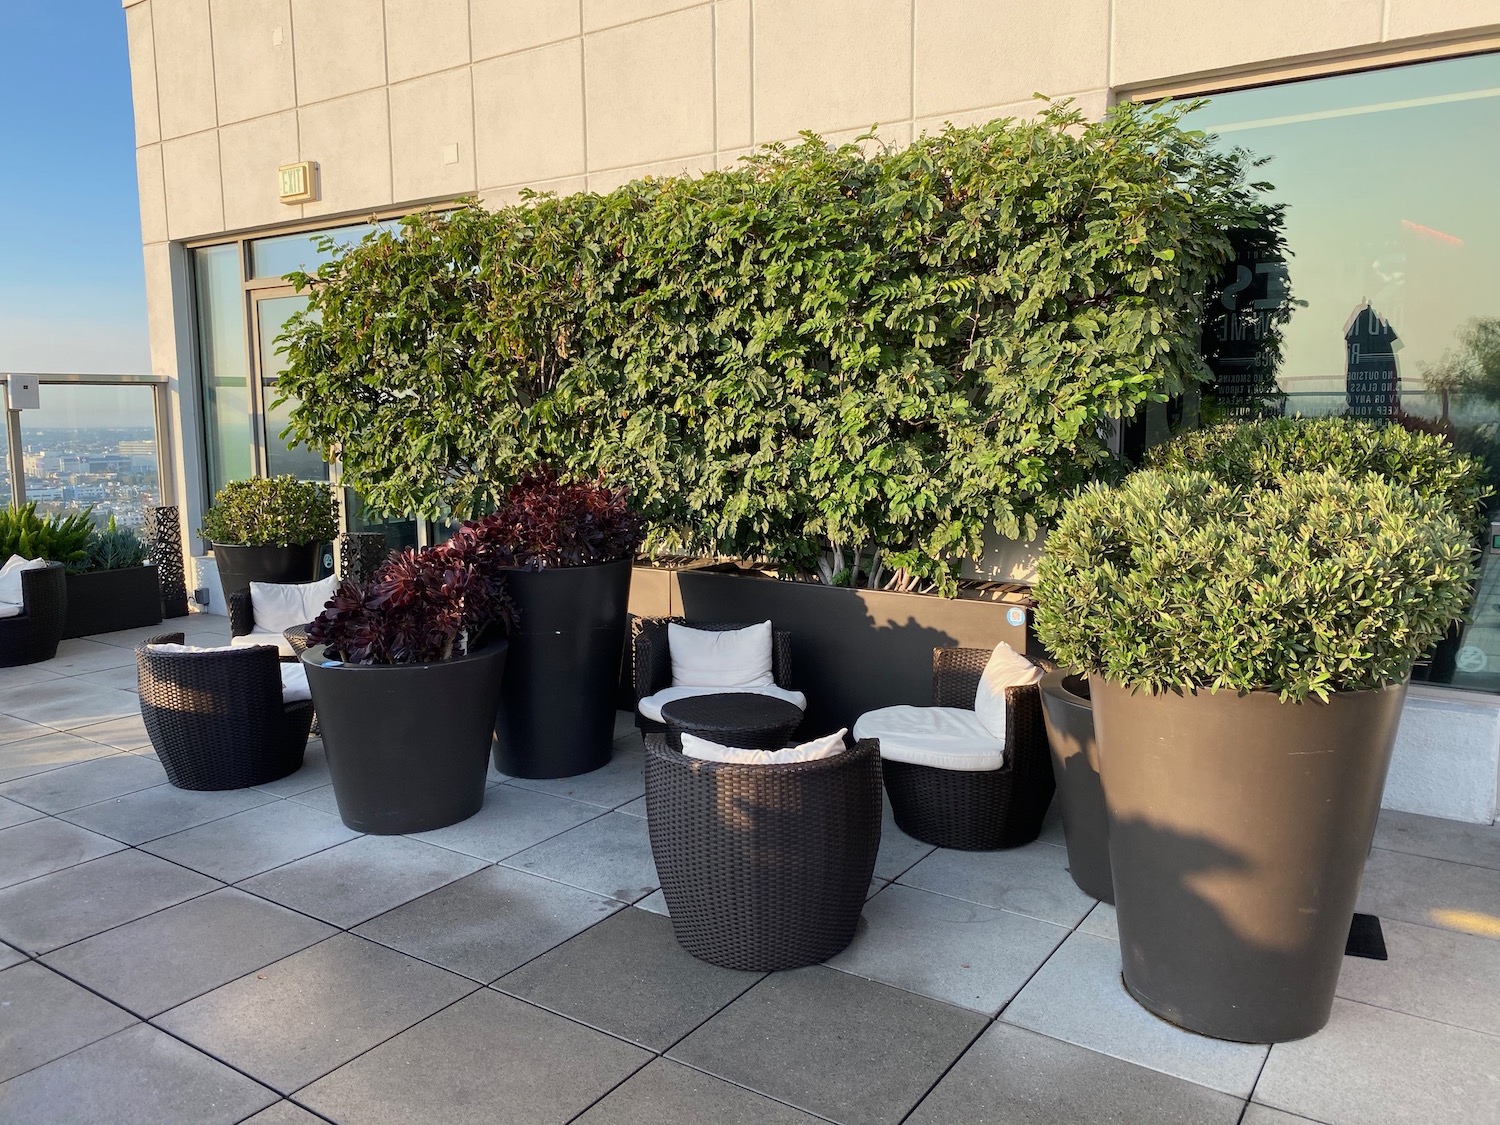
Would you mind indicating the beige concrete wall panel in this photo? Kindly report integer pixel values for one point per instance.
(190, 169)
(1408, 19)
(528, 116)
(161, 325)
(153, 193)
(142, 73)
(425, 36)
(972, 53)
(495, 198)
(1155, 40)
(733, 82)
(184, 66)
(895, 135)
(695, 165)
(340, 47)
(253, 70)
(1091, 103)
(502, 27)
(350, 138)
(650, 90)
(599, 14)
(250, 152)
(432, 137)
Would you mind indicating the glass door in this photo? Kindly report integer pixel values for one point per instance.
(271, 312)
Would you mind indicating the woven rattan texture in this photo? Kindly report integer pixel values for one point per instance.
(764, 867)
(32, 635)
(360, 555)
(216, 719)
(652, 657)
(740, 719)
(241, 613)
(164, 537)
(977, 810)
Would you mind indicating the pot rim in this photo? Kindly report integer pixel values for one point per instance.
(488, 648)
(1181, 693)
(566, 567)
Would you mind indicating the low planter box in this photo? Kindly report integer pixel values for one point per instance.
(105, 601)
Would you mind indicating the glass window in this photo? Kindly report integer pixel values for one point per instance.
(224, 363)
(279, 256)
(271, 314)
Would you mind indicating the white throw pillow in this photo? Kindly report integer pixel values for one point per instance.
(1006, 668)
(294, 683)
(279, 606)
(818, 748)
(732, 658)
(10, 578)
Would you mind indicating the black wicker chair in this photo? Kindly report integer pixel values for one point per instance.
(652, 658)
(977, 810)
(764, 867)
(216, 719)
(33, 634)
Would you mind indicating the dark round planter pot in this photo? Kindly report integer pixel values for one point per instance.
(557, 710)
(239, 565)
(1238, 830)
(407, 744)
(1069, 715)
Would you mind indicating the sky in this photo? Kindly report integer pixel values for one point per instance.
(72, 288)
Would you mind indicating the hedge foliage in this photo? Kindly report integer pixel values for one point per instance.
(272, 512)
(1317, 584)
(816, 347)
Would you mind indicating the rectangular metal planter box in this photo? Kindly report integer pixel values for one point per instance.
(105, 601)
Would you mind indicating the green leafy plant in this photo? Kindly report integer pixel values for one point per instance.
(60, 538)
(272, 512)
(114, 548)
(1317, 584)
(817, 351)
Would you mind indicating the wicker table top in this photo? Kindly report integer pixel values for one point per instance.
(736, 718)
(296, 636)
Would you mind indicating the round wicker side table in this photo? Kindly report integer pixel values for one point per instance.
(741, 719)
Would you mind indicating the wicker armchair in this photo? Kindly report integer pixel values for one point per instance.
(981, 810)
(33, 634)
(216, 719)
(652, 658)
(764, 867)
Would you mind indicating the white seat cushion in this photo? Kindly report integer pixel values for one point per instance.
(651, 706)
(9, 609)
(10, 582)
(948, 738)
(166, 646)
(1006, 668)
(278, 606)
(294, 683)
(818, 748)
(259, 636)
(725, 659)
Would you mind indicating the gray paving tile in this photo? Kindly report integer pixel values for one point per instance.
(85, 783)
(625, 725)
(15, 730)
(490, 922)
(1078, 997)
(296, 1020)
(129, 638)
(1102, 921)
(1032, 880)
(830, 1043)
(61, 908)
(169, 957)
(40, 847)
(149, 814)
(487, 1060)
(253, 841)
(46, 1016)
(1436, 974)
(13, 813)
(610, 856)
(284, 1113)
(10, 956)
(313, 775)
(123, 678)
(656, 902)
(959, 952)
(668, 1093)
(66, 703)
(1430, 892)
(619, 782)
(1436, 838)
(126, 733)
(26, 674)
(1013, 1076)
(320, 797)
(629, 977)
(351, 883)
(511, 821)
(1264, 1115)
(82, 654)
(139, 1076)
(49, 751)
(1370, 1066)
(636, 807)
(898, 851)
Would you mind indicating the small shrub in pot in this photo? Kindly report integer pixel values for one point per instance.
(269, 529)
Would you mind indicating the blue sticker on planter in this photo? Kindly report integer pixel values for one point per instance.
(1016, 616)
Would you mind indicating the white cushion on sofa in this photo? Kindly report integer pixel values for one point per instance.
(167, 646)
(258, 636)
(651, 706)
(10, 582)
(730, 658)
(279, 606)
(1006, 668)
(818, 748)
(948, 738)
(294, 683)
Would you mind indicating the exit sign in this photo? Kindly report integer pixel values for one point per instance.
(298, 182)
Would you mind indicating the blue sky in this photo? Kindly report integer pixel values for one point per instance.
(72, 293)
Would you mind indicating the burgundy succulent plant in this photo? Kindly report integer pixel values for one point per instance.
(547, 522)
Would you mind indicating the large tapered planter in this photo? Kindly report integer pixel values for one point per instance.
(1069, 715)
(557, 711)
(239, 564)
(106, 601)
(408, 745)
(1238, 830)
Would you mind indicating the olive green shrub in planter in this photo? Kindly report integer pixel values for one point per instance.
(1247, 651)
(269, 529)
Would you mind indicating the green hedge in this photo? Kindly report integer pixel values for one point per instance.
(817, 347)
